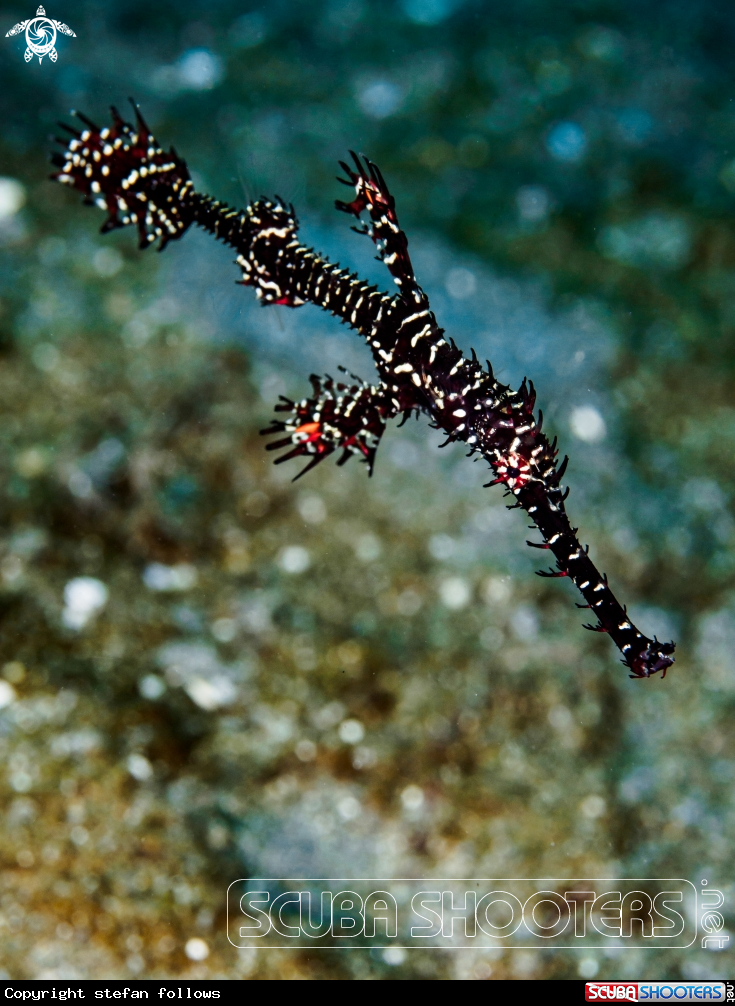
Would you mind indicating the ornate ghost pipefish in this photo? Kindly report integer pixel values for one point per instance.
(123, 171)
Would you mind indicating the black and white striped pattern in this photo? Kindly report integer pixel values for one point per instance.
(124, 171)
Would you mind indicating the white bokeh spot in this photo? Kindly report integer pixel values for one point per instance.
(587, 424)
(84, 596)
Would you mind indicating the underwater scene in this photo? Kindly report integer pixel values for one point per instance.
(211, 670)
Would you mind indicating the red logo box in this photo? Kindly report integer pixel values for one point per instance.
(607, 991)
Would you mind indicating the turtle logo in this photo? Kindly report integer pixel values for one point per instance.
(40, 35)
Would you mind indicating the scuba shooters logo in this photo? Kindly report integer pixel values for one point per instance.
(450, 913)
(658, 991)
(40, 32)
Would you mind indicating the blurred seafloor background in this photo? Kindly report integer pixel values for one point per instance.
(209, 672)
